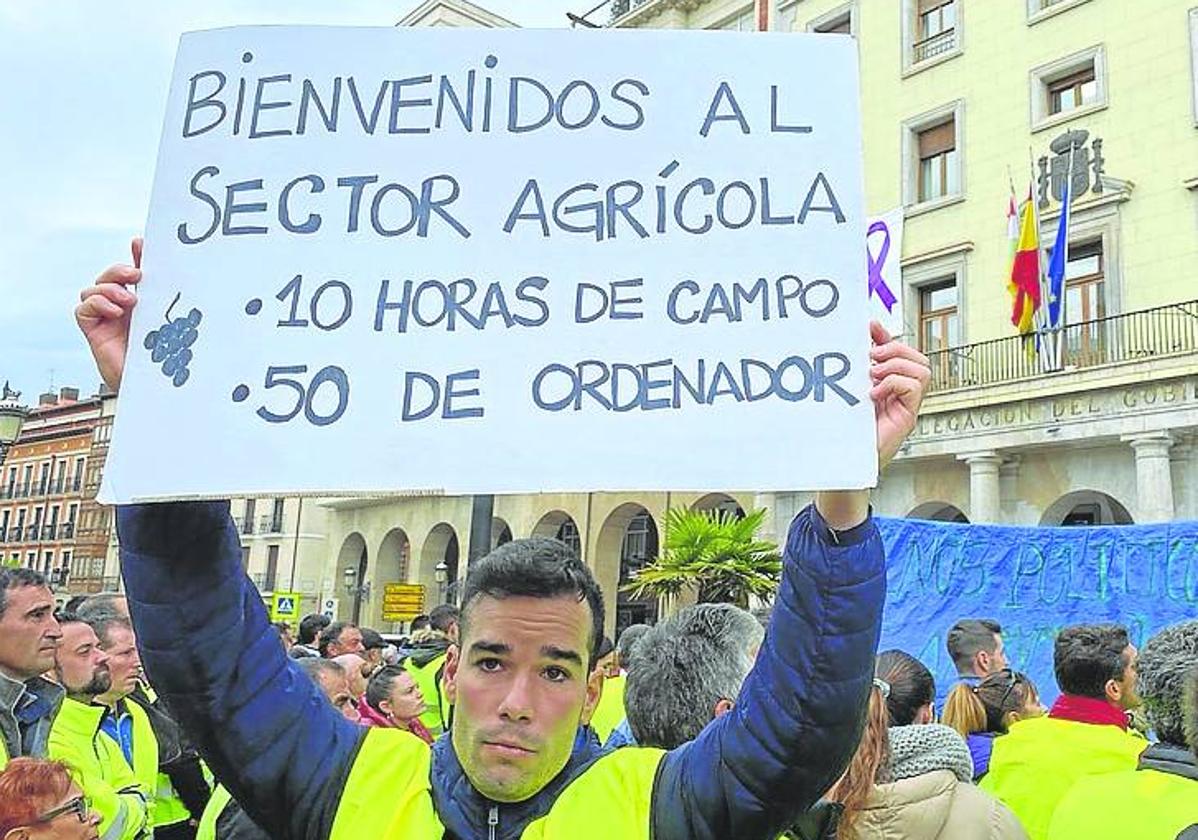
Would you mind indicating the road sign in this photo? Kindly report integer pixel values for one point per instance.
(402, 601)
(284, 606)
(328, 606)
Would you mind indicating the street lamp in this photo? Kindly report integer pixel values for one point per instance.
(441, 573)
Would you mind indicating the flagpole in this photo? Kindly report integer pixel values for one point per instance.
(1045, 353)
(1063, 219)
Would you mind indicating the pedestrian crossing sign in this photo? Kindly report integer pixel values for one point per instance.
(284, 606)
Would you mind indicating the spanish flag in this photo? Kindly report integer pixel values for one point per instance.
(1024, 282)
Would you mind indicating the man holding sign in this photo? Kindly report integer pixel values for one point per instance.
(522, 676)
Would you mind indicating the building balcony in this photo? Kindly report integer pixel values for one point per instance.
(49, 532)
(1145, 335)
(66, 531)
(938, 44)
(270, 525)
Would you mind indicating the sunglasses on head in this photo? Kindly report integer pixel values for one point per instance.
(79, 806)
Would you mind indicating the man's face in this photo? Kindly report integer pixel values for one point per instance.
(350, 641)
(81, 666)
(336, 688)
(1127, 698)
(123, 662)
(522, 688)
(29, 633)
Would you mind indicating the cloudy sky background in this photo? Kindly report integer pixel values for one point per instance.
(80, 116)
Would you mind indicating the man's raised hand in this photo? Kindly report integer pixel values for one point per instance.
(104, 314)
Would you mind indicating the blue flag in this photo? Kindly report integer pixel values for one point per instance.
(1060, 256)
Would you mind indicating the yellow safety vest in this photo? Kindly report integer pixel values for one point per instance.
(610, 711)
(427, 678)
(1141, 804)
(166, 808)
(388, 797)
(106, 778)
(1040, 759)
(212, 811)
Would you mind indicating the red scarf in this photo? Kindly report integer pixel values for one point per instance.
(1088, 710)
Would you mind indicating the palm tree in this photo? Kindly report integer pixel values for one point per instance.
(715, 551)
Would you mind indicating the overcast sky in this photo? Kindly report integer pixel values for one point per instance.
(81, 108)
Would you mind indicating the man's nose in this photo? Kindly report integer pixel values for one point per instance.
(517, 703)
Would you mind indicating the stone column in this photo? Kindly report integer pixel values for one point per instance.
(984, 496)
(1154, 479)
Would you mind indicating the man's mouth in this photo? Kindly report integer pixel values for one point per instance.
(511, 749)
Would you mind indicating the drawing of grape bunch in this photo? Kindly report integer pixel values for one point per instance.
(170, 344)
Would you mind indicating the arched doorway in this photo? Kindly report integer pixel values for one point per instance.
(1085, 508)
(939, 512)
(560, 526)
(351, 574)
(440, 552)
(501, 533)
(719, 503)
(628, 541)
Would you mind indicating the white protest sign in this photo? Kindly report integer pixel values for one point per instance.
(501, 261)
(884, 252)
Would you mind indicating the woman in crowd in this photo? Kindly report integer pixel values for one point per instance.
(986, 710)
(40, 801)
(393, 700)
(910, 778)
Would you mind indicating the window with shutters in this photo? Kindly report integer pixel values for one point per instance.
(933, 163)
(1068, 88)
(931, 33)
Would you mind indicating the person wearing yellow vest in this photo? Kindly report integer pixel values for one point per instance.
(520, 679)
(425, 661)
(1036, 764)
(76, 737)
(610, 710)
(29, 635)
(129, 727)
(1159, 799)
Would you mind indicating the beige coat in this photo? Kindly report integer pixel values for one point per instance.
(936, 806)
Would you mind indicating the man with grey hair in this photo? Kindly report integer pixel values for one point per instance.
(1160, 797)
(29, 637)
(687, 671)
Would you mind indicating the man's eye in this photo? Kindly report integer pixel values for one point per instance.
(555, 674)
(489, 664)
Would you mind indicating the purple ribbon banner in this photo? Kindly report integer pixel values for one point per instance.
(877, 284)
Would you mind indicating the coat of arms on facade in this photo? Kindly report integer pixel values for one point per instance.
(1086, 170)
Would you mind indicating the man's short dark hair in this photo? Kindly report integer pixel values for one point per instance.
(372, 639)
(1191, 710)
(1086, 656)
(103, 603)
(332, 633)
(969, 637)
(1161, 672)
(443, 617)
(73, 603)
(15, 578)
(310, 627)
(535, 567)
(419, 623)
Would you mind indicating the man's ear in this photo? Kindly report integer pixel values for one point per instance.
(723, 707)
(1113, 691)
(450, 674)
(981, 662)
(18, 833)
(594, 694)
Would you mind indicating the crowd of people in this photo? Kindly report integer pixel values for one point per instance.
(177, 709)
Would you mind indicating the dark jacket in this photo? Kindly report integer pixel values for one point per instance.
(285, 754)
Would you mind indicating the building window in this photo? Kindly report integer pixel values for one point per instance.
(1068, 88)
(1194, 60)
(933, 165)
(47, 563)
(788, 16)
(939, 169)
(938, 318)
(272, 566)
(78, 481)
(245, 557)
(276, 517)
(743, 21)
(935, 31)
(839, 21)
(31, 560)
(1038, 10)
(247, 522)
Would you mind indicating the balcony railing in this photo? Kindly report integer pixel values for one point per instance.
(66, 531)
(270, 525)
(938, 44)
(48, 531)
(1135, 336)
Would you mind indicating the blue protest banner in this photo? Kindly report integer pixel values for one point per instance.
(1033, 581)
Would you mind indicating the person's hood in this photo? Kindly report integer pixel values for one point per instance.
(1170, 758)
(466, 813)
(915, 807)
(426, 651)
